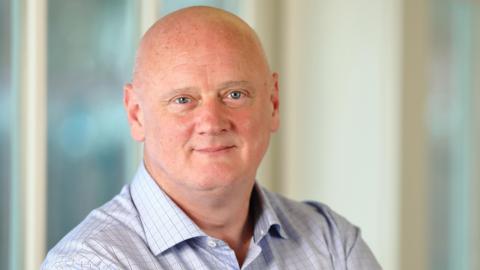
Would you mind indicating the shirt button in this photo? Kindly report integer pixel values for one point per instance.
(211, 243)
(262, 232)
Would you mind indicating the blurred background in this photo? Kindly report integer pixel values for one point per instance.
(380, 107)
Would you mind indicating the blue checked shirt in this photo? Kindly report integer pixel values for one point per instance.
(142, 228)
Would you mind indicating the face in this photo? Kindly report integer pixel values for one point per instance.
(205, 115)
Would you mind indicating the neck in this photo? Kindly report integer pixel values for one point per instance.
(233, 226)
(223, 213)
(222, 217)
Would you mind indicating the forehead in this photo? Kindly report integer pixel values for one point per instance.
(213, 59)
(215, 62)
(207, 43)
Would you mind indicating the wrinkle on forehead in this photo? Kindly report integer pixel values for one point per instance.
(199, 30)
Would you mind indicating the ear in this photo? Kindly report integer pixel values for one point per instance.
(275, 103)
(131, 102)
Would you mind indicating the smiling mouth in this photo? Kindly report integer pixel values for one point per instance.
(214, 149)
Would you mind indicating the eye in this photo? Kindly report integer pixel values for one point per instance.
(237, 98)
(182, 103)
(235, 94)
(182, 100)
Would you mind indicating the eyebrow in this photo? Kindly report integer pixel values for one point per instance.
(229, 84)
(177, 91)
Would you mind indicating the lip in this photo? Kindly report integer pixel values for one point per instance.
(214, 149)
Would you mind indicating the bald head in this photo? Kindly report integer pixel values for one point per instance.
(195, 30)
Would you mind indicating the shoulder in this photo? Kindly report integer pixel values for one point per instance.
(317, 226)
(314, 215)
(97, 241)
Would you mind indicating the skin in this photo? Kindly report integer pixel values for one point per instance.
(204, 102)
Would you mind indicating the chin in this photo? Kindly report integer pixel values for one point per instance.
(215, 179)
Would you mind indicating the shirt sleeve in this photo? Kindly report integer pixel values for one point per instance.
(78, 255)
(360, 257)
(76, 262)
(349, 244)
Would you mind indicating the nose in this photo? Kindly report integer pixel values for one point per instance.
(212, 118)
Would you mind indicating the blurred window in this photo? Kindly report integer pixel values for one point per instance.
(5, 130)
(452, 121)
(90, 51)
(167, 6)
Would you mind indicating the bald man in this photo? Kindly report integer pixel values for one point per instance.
(204, 103)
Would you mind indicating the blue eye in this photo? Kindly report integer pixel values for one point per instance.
(182, 100)
(235, 94)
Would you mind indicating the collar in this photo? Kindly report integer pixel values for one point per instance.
(265, 217)
(166, 225)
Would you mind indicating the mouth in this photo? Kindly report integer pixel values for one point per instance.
(214, 149)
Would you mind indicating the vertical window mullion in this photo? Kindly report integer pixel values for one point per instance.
(29, 134)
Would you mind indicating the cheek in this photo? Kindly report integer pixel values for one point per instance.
(167, 134)
(255, 128)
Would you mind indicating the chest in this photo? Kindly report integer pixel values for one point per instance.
(268, 253)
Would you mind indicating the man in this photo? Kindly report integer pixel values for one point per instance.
(204, 102)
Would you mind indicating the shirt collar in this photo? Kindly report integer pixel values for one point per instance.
(266, 219)
(166, 225)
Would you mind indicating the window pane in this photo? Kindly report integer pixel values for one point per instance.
(5, 124)
(451, 133)
(90, 52)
